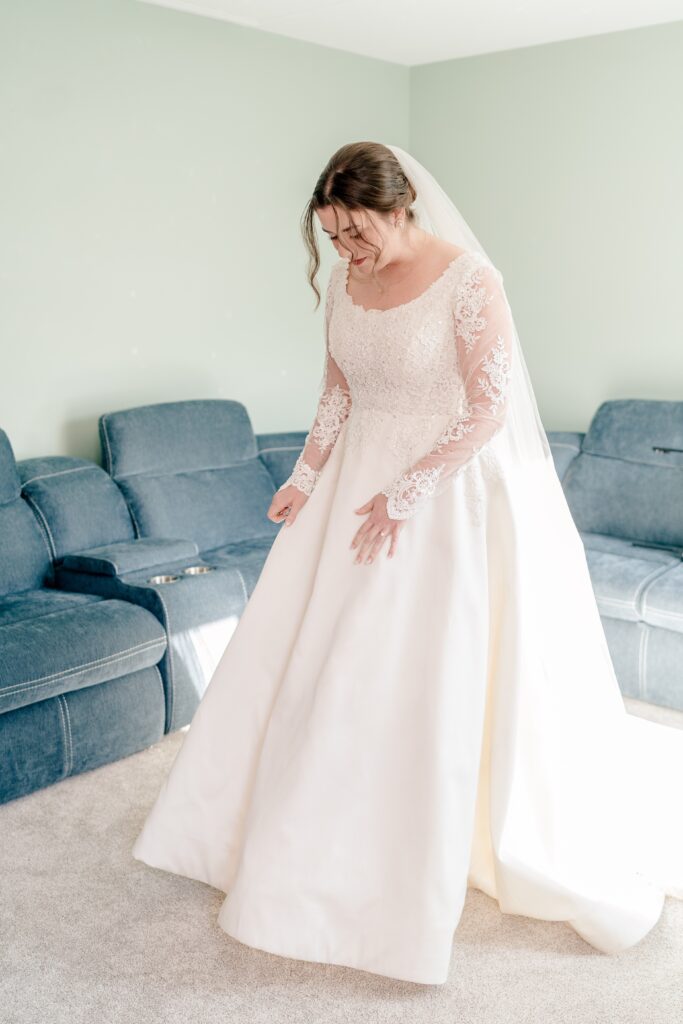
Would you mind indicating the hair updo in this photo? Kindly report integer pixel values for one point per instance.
(360, 174)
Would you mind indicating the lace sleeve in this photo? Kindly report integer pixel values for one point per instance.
(484, 349)
(334, 406)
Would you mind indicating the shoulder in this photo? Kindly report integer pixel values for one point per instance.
(476, 271)
(334, 282)
(337, 274)
(338, 270)
(476, 296)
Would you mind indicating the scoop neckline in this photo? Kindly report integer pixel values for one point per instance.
(411, 302)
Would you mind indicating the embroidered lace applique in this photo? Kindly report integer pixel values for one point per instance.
(334, 406)
(303, 476)
(484, 365)
(333, 409)
(427, 380)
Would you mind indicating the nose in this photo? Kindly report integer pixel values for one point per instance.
(344, 251)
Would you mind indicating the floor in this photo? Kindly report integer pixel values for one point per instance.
(91, 935)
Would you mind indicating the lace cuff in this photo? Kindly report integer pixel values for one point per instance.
(334, 407)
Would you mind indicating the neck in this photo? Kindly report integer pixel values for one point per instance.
(404, 258)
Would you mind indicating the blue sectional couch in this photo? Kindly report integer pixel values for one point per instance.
(121, 584)
(623, 480)
(79, 672)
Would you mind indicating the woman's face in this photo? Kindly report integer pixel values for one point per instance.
(347, 241)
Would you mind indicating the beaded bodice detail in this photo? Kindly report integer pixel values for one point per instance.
(400, 363)
(429, 377)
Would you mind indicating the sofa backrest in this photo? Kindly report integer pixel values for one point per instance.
(25, 561)
(627, 480)
(190, 469)
(565, 445)
(76, 501)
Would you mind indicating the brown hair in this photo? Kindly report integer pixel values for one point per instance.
(360, 174)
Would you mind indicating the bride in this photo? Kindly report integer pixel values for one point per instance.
(418, 696)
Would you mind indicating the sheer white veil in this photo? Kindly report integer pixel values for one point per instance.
(577, 792)
(436, 212)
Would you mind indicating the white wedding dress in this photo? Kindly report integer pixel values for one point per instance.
(376, 737)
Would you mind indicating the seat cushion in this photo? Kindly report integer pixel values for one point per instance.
(239, 553)
(246, 557)
(623, 574)
(31, 604)
(663, 603)
(76, 643)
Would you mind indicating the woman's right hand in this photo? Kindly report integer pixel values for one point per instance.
(286, 504)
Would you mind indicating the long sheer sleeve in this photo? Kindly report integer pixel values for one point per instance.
(334, 406)
(484, 350)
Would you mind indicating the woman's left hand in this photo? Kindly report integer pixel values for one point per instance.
(370, 537)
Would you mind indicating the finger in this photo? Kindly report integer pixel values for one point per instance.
(367, 507)
(375, 546)
(360, 533)
(366, 542)
(278, 509)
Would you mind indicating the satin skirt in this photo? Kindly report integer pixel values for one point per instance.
(377, 737)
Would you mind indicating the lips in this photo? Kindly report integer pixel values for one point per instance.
(358, 262)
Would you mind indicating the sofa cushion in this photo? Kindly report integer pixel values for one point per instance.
(565, 445)
(238, 554)
(627, 480)
(623, 574)
(78, 504)
(190, 469)
(210, 507)
(246, 558)
(663, 603)
(75, 644)
(31, 604)
(176, 437)
(24, 552)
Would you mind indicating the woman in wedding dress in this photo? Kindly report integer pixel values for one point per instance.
(418, 695)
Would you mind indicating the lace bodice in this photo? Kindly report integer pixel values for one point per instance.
(431, 376)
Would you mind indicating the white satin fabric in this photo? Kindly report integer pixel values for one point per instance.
(376, 737)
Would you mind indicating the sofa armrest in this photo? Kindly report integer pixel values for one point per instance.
(128, 556)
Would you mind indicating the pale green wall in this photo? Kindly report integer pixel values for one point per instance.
(567, 161)
(155, 166)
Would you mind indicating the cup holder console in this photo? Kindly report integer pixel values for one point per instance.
(191, 570)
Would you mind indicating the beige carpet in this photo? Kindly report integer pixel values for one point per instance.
(91, 935)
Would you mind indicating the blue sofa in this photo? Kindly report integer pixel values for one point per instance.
(185, 579)
(79, 673)
(193, 471)
(120, 586)
(623, 480)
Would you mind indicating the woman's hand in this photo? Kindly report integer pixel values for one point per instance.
(371, 535)
(286, 504)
